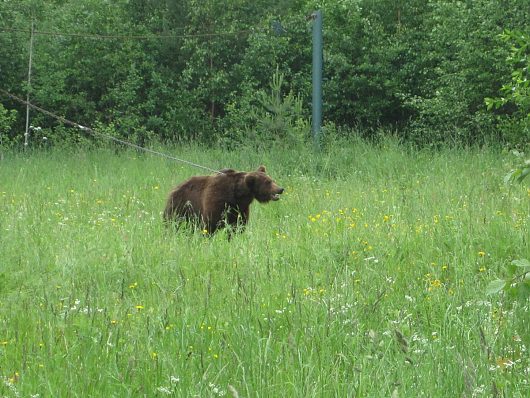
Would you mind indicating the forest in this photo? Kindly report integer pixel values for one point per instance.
(235, 72)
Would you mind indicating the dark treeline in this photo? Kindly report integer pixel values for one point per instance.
(237, 71)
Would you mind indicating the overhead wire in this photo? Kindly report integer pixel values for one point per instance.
(125, 37)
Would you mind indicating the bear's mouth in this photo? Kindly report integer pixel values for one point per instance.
(276, 196)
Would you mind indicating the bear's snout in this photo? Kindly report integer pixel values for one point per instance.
(276, 195)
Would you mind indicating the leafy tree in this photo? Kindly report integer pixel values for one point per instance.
(462, 59)
(514, 102)
(417, 67)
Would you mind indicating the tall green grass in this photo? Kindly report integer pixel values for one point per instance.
(367, 279)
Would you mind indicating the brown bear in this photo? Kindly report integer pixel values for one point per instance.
(220, 200)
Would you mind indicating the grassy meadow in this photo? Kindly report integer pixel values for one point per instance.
(367, 279)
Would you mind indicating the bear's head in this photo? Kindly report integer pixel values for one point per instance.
(263, 188)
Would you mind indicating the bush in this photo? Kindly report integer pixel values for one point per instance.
(7, 120)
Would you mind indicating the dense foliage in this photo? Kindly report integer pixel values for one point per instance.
(204, 70)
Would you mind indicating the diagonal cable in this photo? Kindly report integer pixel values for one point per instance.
(106, 136)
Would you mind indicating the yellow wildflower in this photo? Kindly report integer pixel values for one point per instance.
(13, 379)
(436, 283)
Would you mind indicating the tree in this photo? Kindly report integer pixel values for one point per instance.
(514, 101)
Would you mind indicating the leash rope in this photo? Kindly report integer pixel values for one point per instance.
(107, 136)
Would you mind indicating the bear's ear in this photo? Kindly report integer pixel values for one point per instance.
(262, 169)
(250, 181)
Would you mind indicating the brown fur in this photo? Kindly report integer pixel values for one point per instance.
(220, 200)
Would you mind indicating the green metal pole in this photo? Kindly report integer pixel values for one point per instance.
(317, 76)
